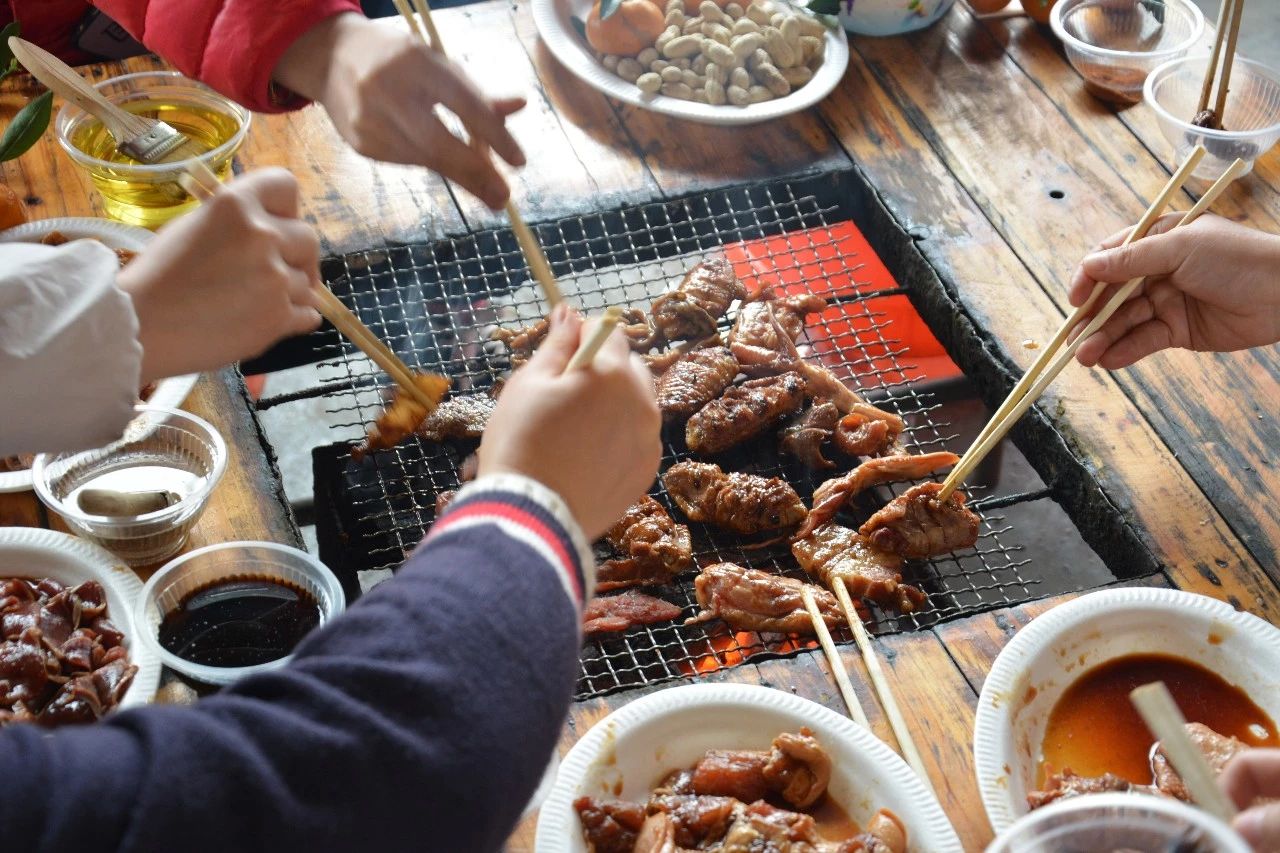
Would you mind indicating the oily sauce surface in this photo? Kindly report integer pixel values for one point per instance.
(239, 622)
(1094, 729)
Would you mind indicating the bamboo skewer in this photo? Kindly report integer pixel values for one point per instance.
(1013, 406)
(881, 684)
(423, 24)
(588, 349)
(1224, 78)
(1211, 70)
(838, 670)
(1161, 714)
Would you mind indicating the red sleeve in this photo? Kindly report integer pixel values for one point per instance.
(231, 45)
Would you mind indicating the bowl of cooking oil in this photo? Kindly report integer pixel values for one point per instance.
(149, 195)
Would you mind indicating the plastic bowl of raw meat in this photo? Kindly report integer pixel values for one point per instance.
(628, 752)
(1050, 653)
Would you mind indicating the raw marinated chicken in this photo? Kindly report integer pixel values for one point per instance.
(752, 600)
(833, 551)
(743, 503)
(766, 331)
(743, 412)
(402, 416)
(868, 431)
(833, 494)
(693, 381)
(694, 308)
(653, 548)
(916, 524)
(463, 416)
(605, 614)
(804, 435)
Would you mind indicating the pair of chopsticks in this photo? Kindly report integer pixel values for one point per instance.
(897, 722)
(1229, 15)
(425, 27)
(1055, 357)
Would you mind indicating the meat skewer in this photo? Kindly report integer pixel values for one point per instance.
(743, 503)
(694, 308)
(838, 670)
(833, 552)
(833, 494)
(920, 523)
(694, 381)
(742, 412)
(752, 600)
(655, 549)
(612, 613)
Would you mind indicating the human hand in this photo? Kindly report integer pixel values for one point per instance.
(1250, 775)
(380, 86)
(1210, 286)
(226, 281)
(591, 435)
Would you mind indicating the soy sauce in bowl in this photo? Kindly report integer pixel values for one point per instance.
(239, 621)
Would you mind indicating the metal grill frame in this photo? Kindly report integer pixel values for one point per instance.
(421, 299)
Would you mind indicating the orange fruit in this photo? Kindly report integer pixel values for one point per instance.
(634, 26)
(986, 7)
(12, 211)
(1038, 10)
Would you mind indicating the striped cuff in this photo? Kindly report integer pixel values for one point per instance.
(528, 511)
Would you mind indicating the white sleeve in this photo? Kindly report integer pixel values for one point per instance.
(70, 361)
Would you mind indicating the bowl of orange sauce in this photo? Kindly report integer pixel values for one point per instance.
(1057, 695)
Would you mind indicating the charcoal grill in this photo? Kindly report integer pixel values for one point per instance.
(435, 303)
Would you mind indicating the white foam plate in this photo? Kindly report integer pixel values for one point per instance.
(632, 749)
(29, 552)
(169, 393)
(1049, 654)
(555, 27)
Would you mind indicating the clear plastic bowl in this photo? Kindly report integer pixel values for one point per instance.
(149, 195)
(203, 566)
(1251, 114)
(160, 437)
(1115, 44)
(1136, 822)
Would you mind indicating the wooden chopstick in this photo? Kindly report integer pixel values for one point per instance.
(1161, 714)
(588, 349)
(1224, 78)
(1211, 70)
(203, 184)
(534, 256)
(1009, 411)
(838, 670)
(881, 684)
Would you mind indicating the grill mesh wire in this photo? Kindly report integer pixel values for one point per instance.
(435, 304)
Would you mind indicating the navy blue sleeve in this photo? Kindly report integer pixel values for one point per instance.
(422, 718)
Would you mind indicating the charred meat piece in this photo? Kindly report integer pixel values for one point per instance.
(916, 524)
(464, 416)
(695, 307)
(638, 330)
(521, 343)
(402, 416)
(743, 503)
(654, 548)
(605, 614)
(610, 826)
(833, 551)
(1067, 784)
(833, 494)
(752, 600)
(868, 431)
(764, 335)
(804, 435)
(1217, 750)
(696, 820)
(762, 827)
(695, 380)
(742, 412)
(796, 770)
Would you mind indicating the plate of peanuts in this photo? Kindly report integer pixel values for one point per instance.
(714, 61)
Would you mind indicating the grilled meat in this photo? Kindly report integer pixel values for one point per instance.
(694, 820)
(695, 380)
(766, 331)
(742, 412)
(464, 416)
(868, 431)
(402, 416)
(639, 331)
(833, 551)
(610, 826)
(743, 503)
(752, 600)
(1064, 785)
(804, 435)
(654, 548)
(832, 495)
(608, 613)
(1217, 750)
(695, 307)
(521, 343)
(917, 525)
(795, 769)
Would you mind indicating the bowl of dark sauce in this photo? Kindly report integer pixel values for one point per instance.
(219, 613)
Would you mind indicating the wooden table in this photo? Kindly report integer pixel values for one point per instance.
(981, 141)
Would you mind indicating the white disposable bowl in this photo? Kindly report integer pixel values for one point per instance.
(632, 749)
(1048, 655)
(29, 552)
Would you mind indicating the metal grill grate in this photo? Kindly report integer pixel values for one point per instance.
(434, 304)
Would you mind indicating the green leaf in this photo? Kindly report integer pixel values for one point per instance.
(27, 127)
(824, 7)
(579, 25)
(7, 62)
(608, 7)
